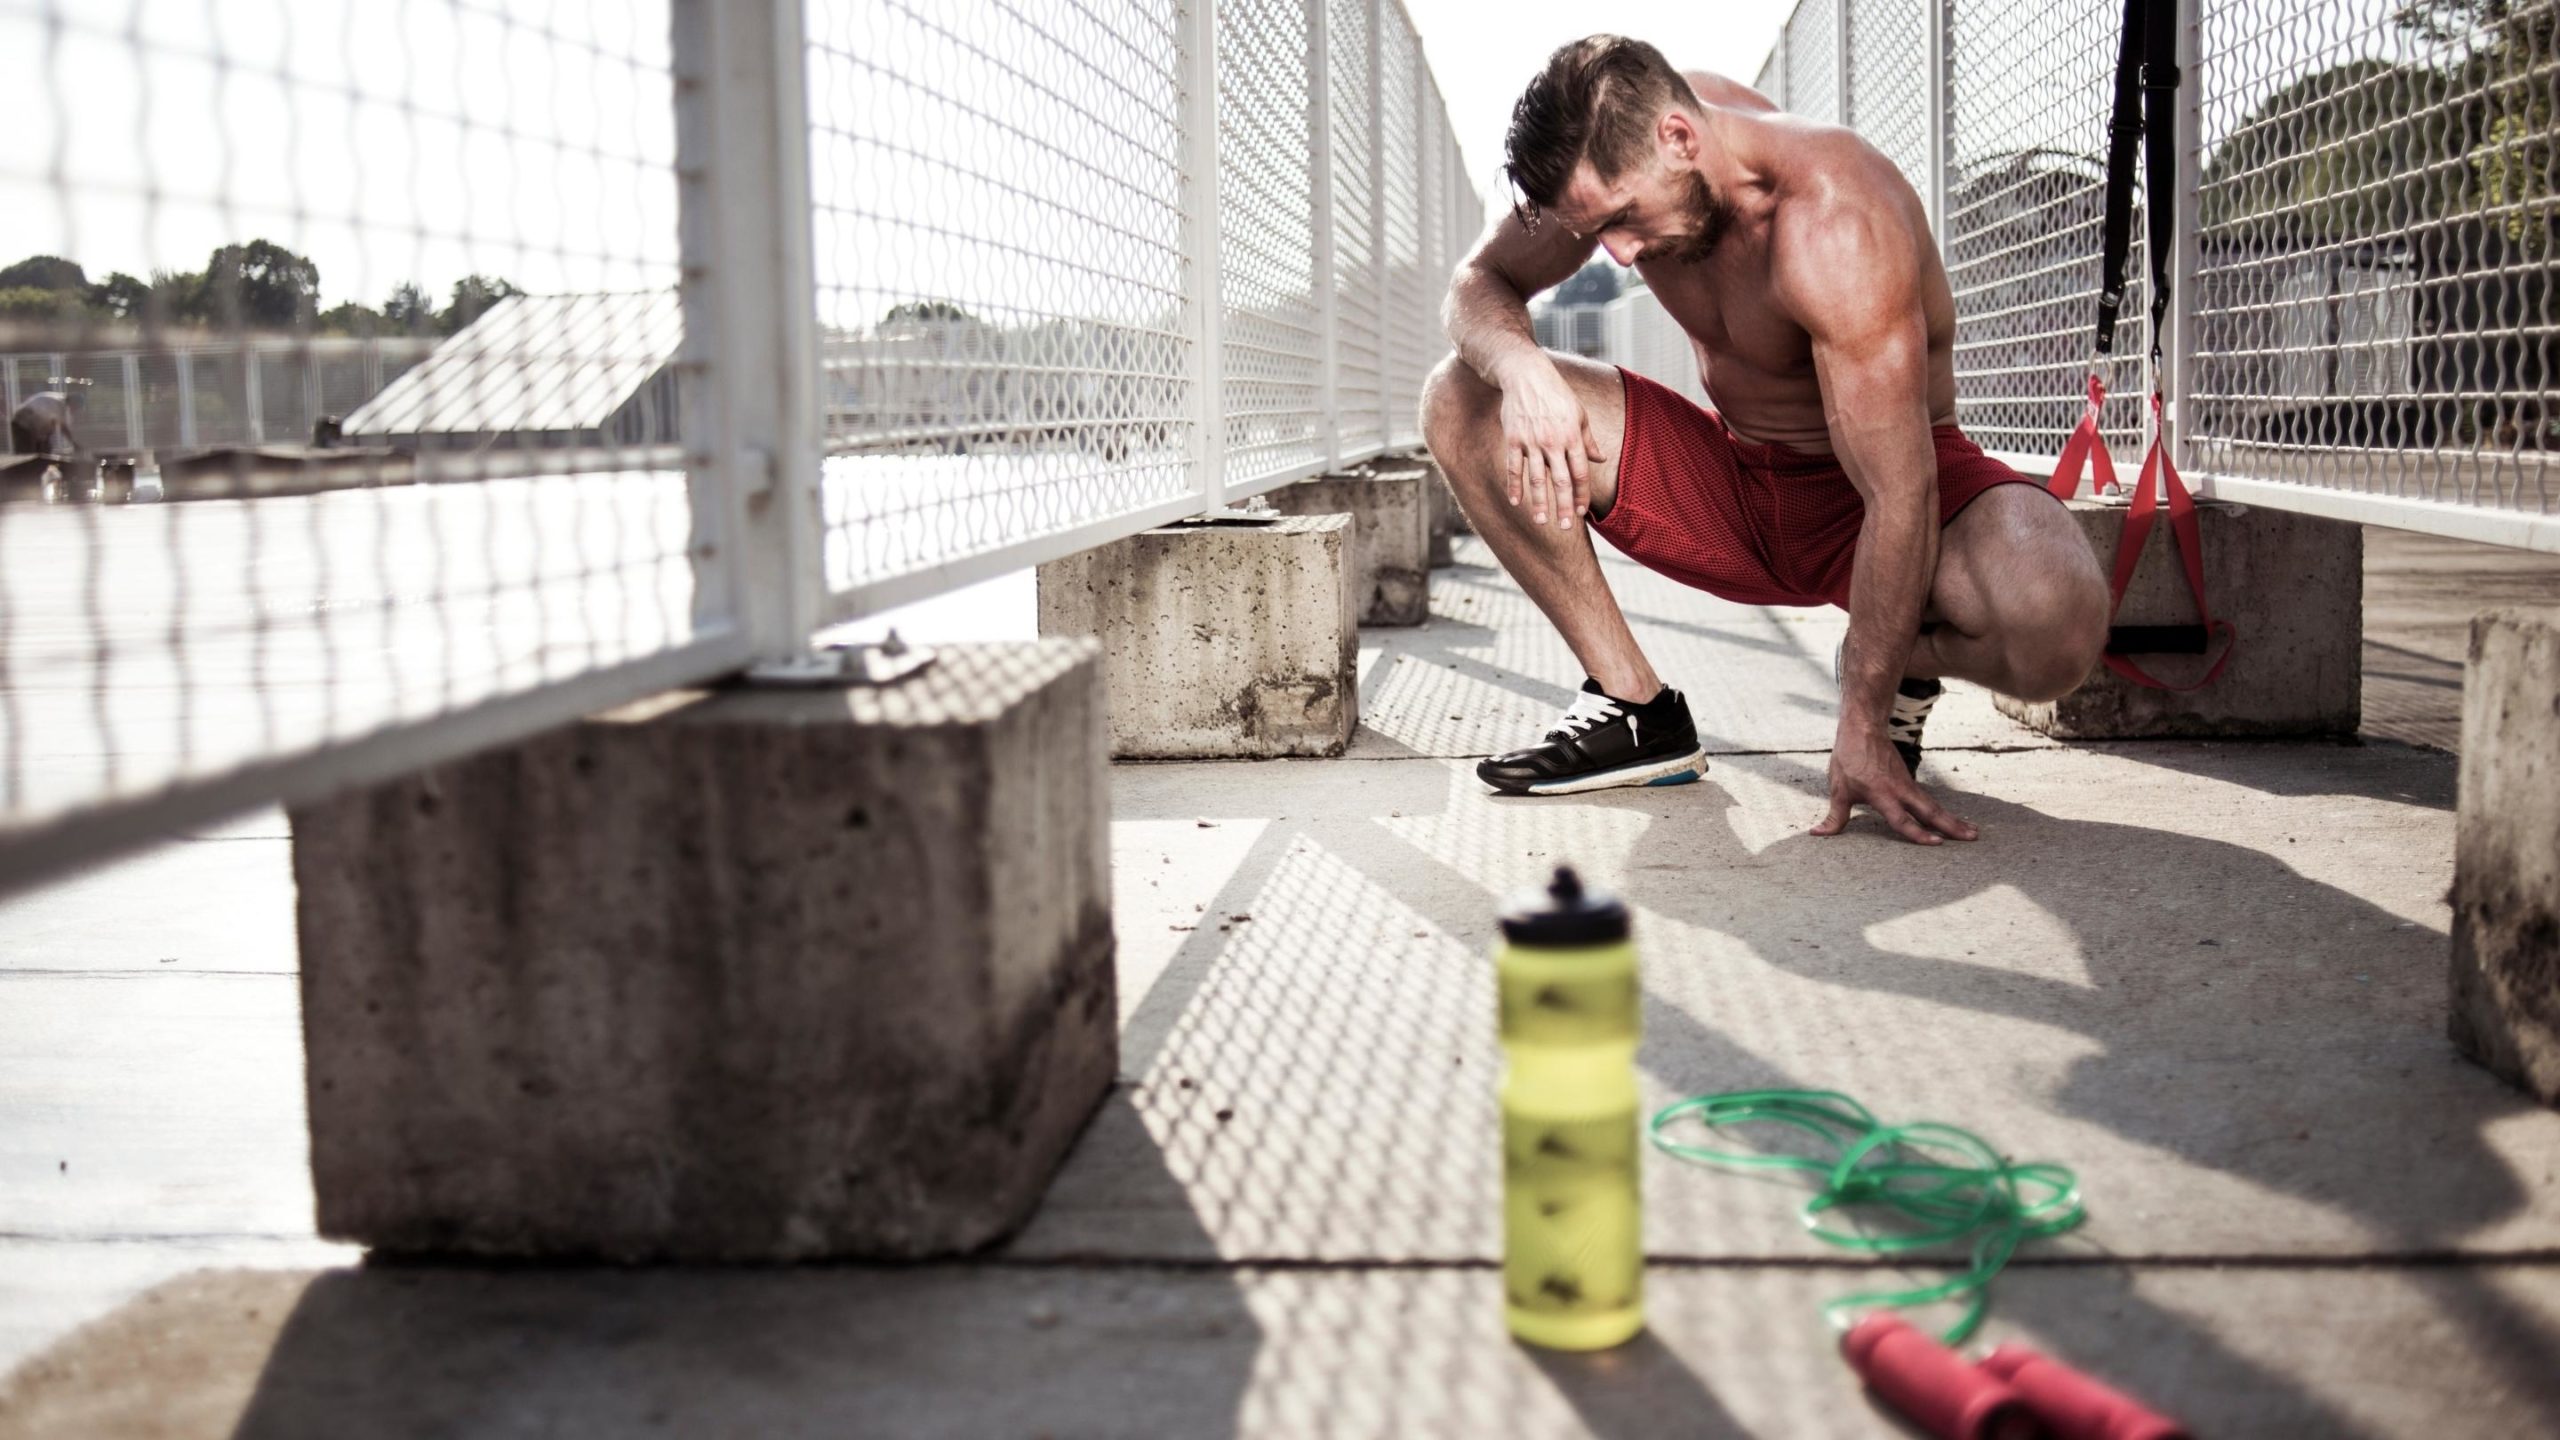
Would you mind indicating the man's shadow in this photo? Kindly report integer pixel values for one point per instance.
(2272, 1053)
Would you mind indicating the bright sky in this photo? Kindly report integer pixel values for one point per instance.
(1484, 51)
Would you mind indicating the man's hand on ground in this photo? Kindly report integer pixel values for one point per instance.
(1547, 446)
(1866, 771)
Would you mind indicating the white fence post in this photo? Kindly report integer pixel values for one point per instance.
(1941, 113)
(186, 398)
(1320, 224)
(1781, 96)
(132, 366)
(253, 393)
(750, 361)
(1201, 296)
(2188, 138)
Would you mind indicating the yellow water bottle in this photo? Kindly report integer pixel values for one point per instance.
(1572, 1237)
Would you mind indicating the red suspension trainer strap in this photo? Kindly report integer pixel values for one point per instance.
(2086, 451)
(2146, 82)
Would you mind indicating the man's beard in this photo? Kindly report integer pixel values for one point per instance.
(1709, 216)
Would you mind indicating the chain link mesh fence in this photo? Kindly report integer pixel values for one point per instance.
(399, 311)
(2377, 230)
(1812, 51)
(2026, 198)
(231, 238)
(1003, 286)
(2373, 198)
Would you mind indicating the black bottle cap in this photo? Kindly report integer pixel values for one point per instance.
(1564, 914)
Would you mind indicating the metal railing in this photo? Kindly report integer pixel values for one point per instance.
(819, 306)
(2366, 316)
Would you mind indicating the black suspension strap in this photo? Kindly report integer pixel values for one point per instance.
(2143, 122)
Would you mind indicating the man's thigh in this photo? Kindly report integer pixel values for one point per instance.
(1604, 403)
(2013, 554)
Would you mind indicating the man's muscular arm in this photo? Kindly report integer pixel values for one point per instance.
(1847, 265)
(1548, 447)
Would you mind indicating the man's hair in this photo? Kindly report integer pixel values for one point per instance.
(1596, 100)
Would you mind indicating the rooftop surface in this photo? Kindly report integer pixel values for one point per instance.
(2209, 976)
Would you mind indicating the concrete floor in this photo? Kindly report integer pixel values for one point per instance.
(2210, 977)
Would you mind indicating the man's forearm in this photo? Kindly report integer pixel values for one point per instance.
(1888, 592)
(1488, 323)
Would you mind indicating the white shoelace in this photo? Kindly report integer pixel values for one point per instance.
(1910, 712)
(1587, 710)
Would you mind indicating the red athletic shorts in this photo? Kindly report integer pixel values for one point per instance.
(1758, 524)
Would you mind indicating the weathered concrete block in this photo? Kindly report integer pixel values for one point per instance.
(2292, 585)
(735, 975)
(2506, 852)
(1220, 638)
(1389, 505)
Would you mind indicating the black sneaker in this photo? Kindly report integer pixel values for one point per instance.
(1913, 699)
(1602, 742)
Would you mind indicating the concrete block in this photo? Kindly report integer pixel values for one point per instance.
(1389, 506)
(744, 975)
(2506, 853)
(1221, 639)
(2292, 585)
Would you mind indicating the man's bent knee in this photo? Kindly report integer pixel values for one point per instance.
(2056, 637)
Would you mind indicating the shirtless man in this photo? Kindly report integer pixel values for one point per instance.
(41, 425)
(1830, 471)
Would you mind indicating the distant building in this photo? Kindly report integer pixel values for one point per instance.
(539, 372)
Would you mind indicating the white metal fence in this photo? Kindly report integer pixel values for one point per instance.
(1032, 340)
(2366, 318)
(962, 285)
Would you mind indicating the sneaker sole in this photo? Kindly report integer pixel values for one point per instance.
(1680, 770)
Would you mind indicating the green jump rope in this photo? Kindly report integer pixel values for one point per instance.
(1940, 1185)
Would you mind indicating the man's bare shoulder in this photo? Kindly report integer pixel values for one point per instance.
(1715, 89)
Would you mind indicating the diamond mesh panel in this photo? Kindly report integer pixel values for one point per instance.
(1411, 296)
(1813, 60)
(2379, 225)
(2025, 198)
(225, 222)
(1361, 323)
(1273, 334)
(999, 270)
(1888, 89)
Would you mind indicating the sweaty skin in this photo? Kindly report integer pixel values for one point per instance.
(1822, 320)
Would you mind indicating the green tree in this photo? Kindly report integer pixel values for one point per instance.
(45, 272)
(409, 311)
(2358, 150)
(921, 312)
(41, 304)
(353, 318)
(121, 297)
(473, 295)
(262, 285)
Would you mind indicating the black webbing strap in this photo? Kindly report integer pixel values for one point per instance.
(2146, 79)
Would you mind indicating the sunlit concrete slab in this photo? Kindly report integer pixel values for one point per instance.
(151, 1106)
(192, 906)
(973, 1351)
(2209, 978)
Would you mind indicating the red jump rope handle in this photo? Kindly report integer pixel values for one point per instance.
(2074, 1406)
(1932, 1386)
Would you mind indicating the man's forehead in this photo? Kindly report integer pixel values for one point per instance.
(1588, 200)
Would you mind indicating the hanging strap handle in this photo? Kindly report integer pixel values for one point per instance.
(2085, 450)
(2159, 476)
